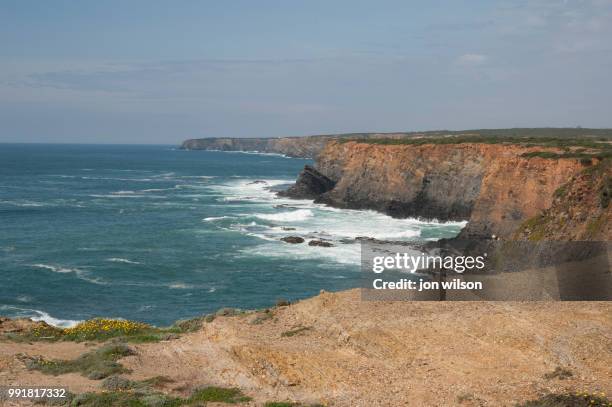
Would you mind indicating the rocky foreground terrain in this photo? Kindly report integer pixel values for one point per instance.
(338, 350)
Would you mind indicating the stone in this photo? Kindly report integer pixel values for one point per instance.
(293, 239)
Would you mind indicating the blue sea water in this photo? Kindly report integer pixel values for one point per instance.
(155, 234)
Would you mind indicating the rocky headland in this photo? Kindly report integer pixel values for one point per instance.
(504, 190)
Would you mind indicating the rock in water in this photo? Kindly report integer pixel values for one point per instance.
(320, 243)
(309, 185)
(293, 239)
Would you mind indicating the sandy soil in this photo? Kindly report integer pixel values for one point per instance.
(359, 353)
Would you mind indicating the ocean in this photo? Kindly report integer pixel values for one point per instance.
(157, 234)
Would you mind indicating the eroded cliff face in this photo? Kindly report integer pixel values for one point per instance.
(490, 185)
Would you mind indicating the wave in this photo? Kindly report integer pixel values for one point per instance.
(254, 152)
(164, 175)
(125, 194)
(80, 274)
(24, 204)
(251, 190)
(214, 218)
(119, 179)
(56, 269)
(199, 176)
(180, 286)
(37, 315)
(121, 260)
(157, 189)
(294, 216)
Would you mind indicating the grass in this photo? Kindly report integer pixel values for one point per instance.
(561, 191)
(582, 147)
(154, 399)
(544, 141)
(585, 158)
(95, 365)
(595, 225)
(293, 332)
(536, 226)
(218, 394)
(262, 317)
(582, 399)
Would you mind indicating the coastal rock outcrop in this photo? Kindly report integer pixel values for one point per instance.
(320, 243)
(293, 239)
(309, 185)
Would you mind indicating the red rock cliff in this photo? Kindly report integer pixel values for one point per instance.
(490, 185)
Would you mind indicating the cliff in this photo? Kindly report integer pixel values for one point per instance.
(311, 146)
(299, 147)
(496, 187)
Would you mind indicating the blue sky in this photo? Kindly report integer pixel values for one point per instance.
(163, 71)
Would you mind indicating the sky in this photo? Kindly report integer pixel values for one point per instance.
(149, 71)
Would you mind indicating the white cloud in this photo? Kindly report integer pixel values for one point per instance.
(471, 59)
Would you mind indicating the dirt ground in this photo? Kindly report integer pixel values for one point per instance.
(337, 350)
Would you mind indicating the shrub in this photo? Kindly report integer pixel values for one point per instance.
(605, 193)
(95, 365)
(582, 399)
(219, 394)
(282, 302)
(102, 328)
(294, 332)
(559, 373)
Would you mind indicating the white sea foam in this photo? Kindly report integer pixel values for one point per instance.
(127, 194)
(214, 218)
(23, 203)
(199, 176)
(56, 269)
(37, 315)
(254, 152)
(180, 286)
(118, 179)
(121, 260)
(164, 175)
(157, 189)
(313, 221)
(251, 190)
(293, 216)
(62, 323)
